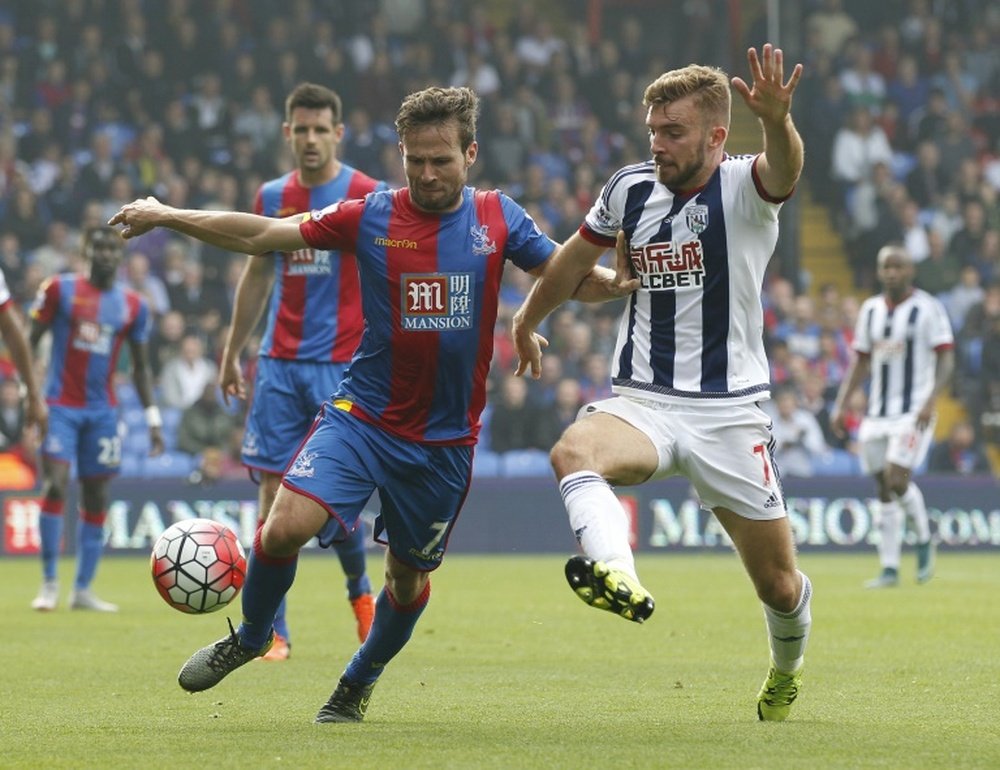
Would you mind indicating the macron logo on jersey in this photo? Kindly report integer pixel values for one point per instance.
(669, 265)
(436, 301)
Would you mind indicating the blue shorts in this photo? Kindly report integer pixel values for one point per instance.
(287, 395)
(421, 487)
(87, 434)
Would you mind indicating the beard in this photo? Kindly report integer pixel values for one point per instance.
(438, 201)
(679, 177)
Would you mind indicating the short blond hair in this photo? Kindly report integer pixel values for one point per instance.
(708, 85)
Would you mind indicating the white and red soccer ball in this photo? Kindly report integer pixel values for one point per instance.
(198, 566)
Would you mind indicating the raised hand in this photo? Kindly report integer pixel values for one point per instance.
(770, 99)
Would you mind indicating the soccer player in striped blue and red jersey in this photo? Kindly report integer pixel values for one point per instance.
(406, 418)
(699, 227)
(313, 326)
(90, 317)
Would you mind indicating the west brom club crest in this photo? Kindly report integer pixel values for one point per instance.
(697, 218)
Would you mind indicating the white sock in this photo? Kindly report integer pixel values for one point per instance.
(912, 501)
(891, 527)
(598, 520)
(788, 632)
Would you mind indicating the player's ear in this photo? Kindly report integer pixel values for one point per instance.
(471, 153)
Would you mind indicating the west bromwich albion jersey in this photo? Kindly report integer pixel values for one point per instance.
(694, 329)
(903, 341)
(315, 308)
(88, 328)
(429, 287)
(4, 291)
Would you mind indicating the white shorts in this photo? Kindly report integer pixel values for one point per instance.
(724, 451)
(893, 441)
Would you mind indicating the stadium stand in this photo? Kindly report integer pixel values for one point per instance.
(103, 101)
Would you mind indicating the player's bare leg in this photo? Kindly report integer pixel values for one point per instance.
(768, 553)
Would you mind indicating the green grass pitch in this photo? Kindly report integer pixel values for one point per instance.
(508, 670)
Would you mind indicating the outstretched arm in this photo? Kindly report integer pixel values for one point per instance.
(770, 99)
(561, 277)
(230, 230)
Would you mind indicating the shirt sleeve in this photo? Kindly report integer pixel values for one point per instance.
(4, 291)
(140, 330)
(333, 227)
(527, 245)
(862, 336)
(941, 335)
(46, 302)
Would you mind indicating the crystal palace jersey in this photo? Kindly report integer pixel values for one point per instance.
(429, 287)
(902, 341)
(315, 307)
(88, 328)
(694, 328)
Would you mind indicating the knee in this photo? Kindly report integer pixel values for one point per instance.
(406, 584)
(279, 539)
(54, 487)
(568, 455)
(782, 591)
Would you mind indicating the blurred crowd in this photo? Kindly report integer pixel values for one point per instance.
(103, 101)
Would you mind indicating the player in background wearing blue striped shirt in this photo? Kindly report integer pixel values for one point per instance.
(689, 368)
(904, 341)
(406, 417)
(313, 326)
(90, 317)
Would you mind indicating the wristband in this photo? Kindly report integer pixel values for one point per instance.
(153, 417)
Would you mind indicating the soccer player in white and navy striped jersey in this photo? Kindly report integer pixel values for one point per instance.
(903, 341)
(697, 227)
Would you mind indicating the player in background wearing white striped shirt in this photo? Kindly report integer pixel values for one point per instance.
(698, 227)
(904, 342)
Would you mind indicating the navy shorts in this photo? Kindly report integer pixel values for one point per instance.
(87, 434)
(421, 487)
(287, 395)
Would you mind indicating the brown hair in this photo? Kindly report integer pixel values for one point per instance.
(434, 106)
(708, 85)
(313, 97)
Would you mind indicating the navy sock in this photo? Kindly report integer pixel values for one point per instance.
(391, 630)
(268, 580)
(281, 620)
(50, 526)
(351, 553)
(90, 541)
